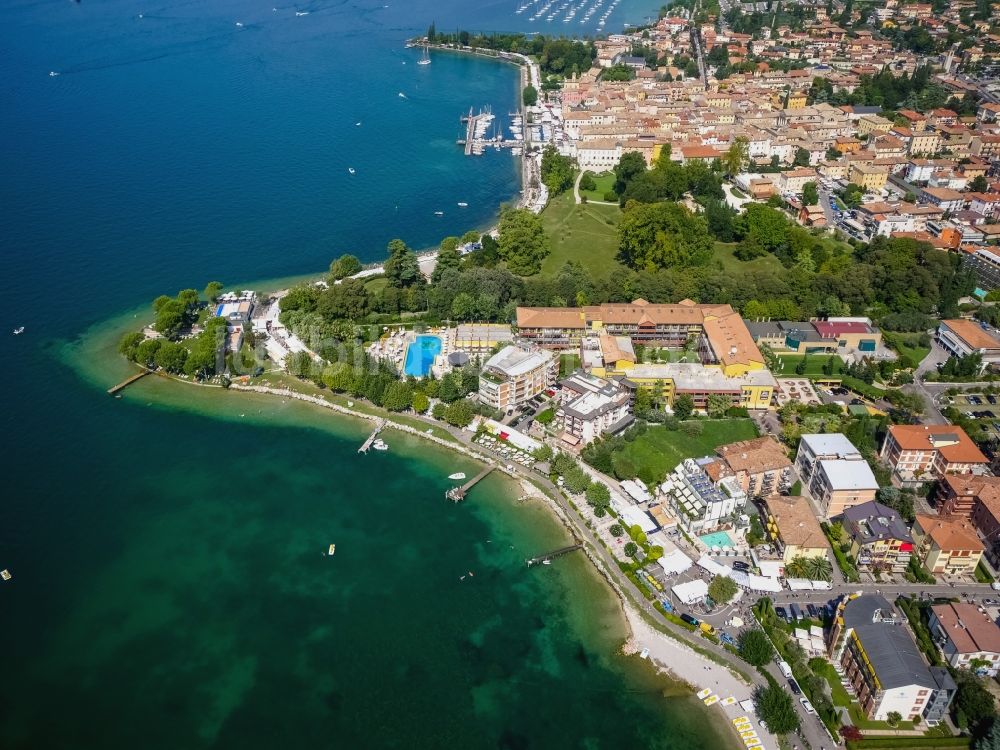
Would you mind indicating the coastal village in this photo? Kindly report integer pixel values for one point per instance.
(809, 490)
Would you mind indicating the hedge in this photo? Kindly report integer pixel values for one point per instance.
(912, 743)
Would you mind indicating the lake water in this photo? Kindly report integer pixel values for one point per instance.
(170, 584)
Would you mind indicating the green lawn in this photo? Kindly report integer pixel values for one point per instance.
(814, 365)
(656, 452)
(605, 183)
(586, 233)
(726, 259)
(907, 345)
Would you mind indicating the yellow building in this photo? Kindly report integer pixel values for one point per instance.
(792, 525)
(869, 177)
(925, 142)
(947, 545)
(868, 124)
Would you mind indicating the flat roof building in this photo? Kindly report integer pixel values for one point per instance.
(516, 374)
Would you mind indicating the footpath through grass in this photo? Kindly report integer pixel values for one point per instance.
(658, 450)
(587, 233)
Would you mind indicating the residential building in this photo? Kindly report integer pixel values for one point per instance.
(703, 495)
(963, 337)
(515, 375)
(880, 539)
(873, 651)
(919, 453)
(947, 545)
(986, 520)
(760, 465)
(985, 264)
(792, 526)
(591, 407)
(835, 473)
(968, 638)
(869, 176)
(957, 493)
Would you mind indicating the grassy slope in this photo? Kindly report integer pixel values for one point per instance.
(581, 232)
(605, 182)
(661, 450)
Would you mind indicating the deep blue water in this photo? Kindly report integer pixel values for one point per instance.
(169, 585)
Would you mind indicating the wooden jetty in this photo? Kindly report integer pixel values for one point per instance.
(456, 494)
(128, 381)
(371, 438)
(550, 555)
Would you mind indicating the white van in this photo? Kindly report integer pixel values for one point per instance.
(785, 669)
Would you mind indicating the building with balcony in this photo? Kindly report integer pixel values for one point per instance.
(703, 495)
(515, 375)
(761, 465)
(921, 453)
(957, 493)
(986, 520)
(835, 473)
(591, 407)
(968, 639)
(947, 545)
(873, 651)
(792, 526)
(880, 539)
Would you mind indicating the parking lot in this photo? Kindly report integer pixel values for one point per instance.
(981, 406)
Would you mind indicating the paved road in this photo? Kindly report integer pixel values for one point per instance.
(929, 391)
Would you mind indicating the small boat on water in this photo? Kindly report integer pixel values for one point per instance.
(351, 170)
(53, 73)
(19, 330)
(401, 94)
(546, 561)
(462, 204)
(5, 574)
(644, 654)
(380, 445)
(456, 475)
(239, 24)
(439, 213)
(358, 124)
(302, 13)
(331, 550)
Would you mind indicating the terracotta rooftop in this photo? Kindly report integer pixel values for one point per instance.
(950, 440)
(950, 533)
(796, 521)
(972, 334)
(755, 456)
(969, 629)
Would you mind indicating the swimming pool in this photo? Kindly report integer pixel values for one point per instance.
(420, 355)
(718, 539)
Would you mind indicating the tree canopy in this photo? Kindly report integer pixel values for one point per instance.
(522, 242)
(662, 235)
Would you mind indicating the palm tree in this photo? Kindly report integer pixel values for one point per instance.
(818, 569)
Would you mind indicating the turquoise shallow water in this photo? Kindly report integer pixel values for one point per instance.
(170, 588)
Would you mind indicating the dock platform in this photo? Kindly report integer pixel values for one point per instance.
(550, 555)
(371, 438)
(127, 382)
(457, 494)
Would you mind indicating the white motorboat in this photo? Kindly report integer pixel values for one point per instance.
(302, 13)
(351, 170)
(401, 94)
(239, 24)
(53, 74)
(546, 562)
(463, 204)
(331, 550)
(18, 331)
(439, 213)
(456, 475)
(5, 574)
(380, 445)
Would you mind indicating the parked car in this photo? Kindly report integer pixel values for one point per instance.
(740, 565)
(794, 686)
(726, 638)
(796, 612)
(807, 705)
(991, 398)
(780, 612)
(813, 612)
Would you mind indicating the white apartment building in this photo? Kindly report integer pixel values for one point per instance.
(515, 375)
